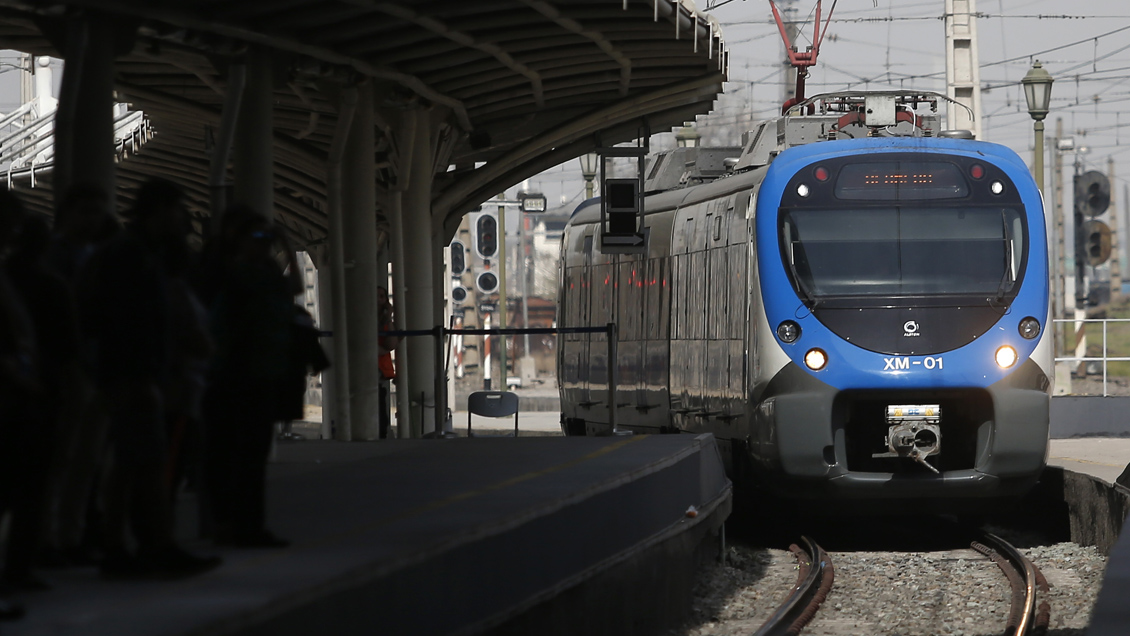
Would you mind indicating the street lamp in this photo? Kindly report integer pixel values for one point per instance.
(687, 136)
(1038, 93)
(590, 162)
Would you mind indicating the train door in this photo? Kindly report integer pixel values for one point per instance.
(686, 302)
(601, 310)
(630, 301)
(574, 372)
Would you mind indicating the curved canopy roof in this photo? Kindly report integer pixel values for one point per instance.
(525, 84)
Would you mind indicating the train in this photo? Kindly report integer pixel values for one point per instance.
(854, 302)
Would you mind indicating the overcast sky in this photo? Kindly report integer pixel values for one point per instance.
(879, 44)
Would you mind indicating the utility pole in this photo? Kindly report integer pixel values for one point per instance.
(1080, 282)
(1115, 264)
(1061, 246)
(963, 75)
(502, 324)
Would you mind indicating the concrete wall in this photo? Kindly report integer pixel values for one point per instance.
(1090, 416)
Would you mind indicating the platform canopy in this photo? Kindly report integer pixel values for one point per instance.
(518, 85)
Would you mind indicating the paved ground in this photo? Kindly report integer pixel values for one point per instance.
(1102, 457)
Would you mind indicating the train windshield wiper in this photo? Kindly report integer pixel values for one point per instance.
(1007, 279)
(807, 296)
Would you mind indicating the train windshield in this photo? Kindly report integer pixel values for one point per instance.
(903, 251)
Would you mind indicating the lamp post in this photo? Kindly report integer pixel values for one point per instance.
(687, 136)
(589, 163)
(1038, 93)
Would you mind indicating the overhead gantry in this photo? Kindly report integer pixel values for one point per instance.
(367, 129)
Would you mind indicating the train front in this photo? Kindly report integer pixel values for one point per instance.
(903, 349)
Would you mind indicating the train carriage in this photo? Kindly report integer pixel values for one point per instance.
(856, 312)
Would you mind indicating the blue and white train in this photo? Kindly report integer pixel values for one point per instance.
(856, 306)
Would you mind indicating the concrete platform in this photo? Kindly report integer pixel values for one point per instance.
(1102, 457)
(529, 535)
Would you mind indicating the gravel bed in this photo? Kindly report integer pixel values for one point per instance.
(950, 593)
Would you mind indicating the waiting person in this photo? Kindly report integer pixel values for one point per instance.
(24, 434)
(385, 362)
(128, 319)
(83, 224)
(253, 319)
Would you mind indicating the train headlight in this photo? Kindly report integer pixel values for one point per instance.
(802, 190)
(1029, 328)
(788, 332)
(816, 359)
(997, 187)
(1006, 357)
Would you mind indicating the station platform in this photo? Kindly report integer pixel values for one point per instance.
(544, 535)
(1104, 458)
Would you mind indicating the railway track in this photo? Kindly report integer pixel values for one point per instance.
(1029, 612)
(814, 581)
(1025, 618)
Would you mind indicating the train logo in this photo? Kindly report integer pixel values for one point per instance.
(910, 329)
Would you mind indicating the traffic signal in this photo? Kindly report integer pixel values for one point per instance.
(458, 294)
(1092, 193)
(486, 283)
(623, 206)
(486, 235)
(1096, 239)
(458, 258)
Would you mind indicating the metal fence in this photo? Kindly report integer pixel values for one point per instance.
(443, 357)
(1106, 358)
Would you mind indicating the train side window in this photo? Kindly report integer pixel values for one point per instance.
(717, 228)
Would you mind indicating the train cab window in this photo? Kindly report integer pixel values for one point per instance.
(884, 252)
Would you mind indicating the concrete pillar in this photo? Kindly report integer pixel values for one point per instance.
(335, 257)
(326, 323)
(254, 139)
(396, 252)
(84, 125)
(419, 280)
(359, 207)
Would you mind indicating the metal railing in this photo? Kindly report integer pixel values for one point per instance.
(443, 358)
(1105, 358)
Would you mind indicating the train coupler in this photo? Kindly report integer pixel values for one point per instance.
(914, 432)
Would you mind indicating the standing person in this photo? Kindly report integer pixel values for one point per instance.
(49, 304)
(83, 224)
(24, 430)
(128, 320)
(385, 363)
(252, 318)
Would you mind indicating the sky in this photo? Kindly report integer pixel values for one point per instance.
(882, 44)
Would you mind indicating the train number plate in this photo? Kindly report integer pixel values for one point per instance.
(904, 363)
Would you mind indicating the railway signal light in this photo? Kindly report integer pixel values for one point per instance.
(458, 294)
(623, 205)
(486, 283)
(1096, 238)
(486, 235)
(458, 258)
(1092, 193)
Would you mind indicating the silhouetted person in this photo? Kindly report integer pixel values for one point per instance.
(83, 224)
(23, 436)
(385, 363)
(130, 325)
(49, 303)
(253, 320)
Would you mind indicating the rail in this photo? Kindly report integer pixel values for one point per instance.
(1105, 358)
(814, 581)
(1027, 583)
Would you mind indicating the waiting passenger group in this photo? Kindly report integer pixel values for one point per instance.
(133, 367)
